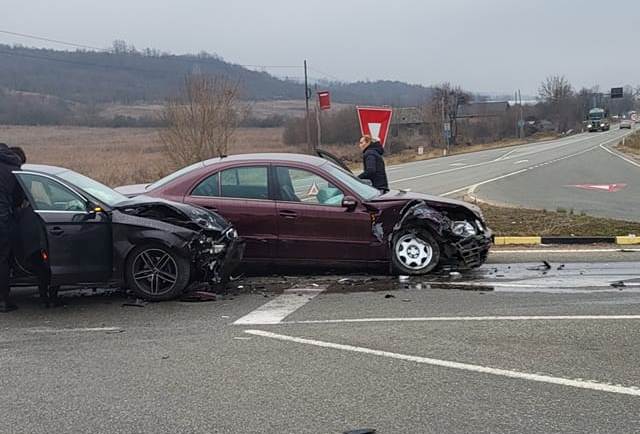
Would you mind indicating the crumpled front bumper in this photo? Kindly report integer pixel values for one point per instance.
(472, 251)
(232, 258)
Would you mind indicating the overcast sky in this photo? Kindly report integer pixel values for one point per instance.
(482, 45)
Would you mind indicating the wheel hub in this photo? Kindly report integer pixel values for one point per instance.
(413, 252)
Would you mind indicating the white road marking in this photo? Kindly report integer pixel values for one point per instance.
(505, 156)
(457, 164)
(75, 330)
(493, 251)
(521, 161)
(472, 188)
(473, 318)
(628, 160)
(281, 307)
(581, 384)
(484, 163)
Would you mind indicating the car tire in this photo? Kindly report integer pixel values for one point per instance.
(156, 273)
(414, 251)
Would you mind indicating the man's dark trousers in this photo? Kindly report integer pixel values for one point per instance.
(5, 255)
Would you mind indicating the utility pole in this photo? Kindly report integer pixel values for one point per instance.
(515, 102)
(306, 101)
(521, 122)
(318, 118)
(444, 128)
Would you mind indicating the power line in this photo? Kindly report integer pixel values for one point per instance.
(77, 45)
(251, 67)
(333, 77)
(72, 62)
(55, 41)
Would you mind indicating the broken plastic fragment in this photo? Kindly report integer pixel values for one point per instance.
(198, 296)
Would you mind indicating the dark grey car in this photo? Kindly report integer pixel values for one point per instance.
(85, 233)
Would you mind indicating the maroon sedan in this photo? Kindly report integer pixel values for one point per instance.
(303, 210)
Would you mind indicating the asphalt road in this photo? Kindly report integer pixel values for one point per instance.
(538, 354)
(541, 175)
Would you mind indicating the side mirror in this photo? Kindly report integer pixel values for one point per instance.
(349, 203)
(93, 209)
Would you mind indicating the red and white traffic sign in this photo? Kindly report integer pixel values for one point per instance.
(375, 122)
(609, 188)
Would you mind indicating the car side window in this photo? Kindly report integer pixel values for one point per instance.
(210, 187)
(297, 185)
(47, 194)
(251, 182)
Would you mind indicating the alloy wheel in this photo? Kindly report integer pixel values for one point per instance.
(155, 271)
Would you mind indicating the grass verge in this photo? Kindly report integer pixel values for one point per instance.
(631, 146)
(527, 222)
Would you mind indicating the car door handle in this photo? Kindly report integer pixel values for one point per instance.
(56, 230)
(288, 214)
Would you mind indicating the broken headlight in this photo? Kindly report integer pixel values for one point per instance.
(211, 246)
(463, 229)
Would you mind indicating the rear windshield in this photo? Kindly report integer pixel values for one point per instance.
(167, 179)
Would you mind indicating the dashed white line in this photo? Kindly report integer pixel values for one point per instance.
(281, 307)
(75, 330)
(581, 384)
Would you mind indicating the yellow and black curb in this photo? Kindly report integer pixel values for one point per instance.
(536, 240)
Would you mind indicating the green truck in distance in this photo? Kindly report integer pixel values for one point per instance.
(598, 120)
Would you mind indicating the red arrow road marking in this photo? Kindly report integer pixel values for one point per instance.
(610, 188)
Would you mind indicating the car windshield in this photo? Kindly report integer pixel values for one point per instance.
(174, 175)
(101, 192)
(365, 191)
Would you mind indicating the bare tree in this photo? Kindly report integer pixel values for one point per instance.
(443, 108)
(557, 94)
(555, 89)
(201, 122)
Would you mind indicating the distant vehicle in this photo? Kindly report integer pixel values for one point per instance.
(87, 234)
(303, 210)
(626, 123)
(598, 120)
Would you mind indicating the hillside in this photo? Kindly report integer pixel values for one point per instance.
(150, 77)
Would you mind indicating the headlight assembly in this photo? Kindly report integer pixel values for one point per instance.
(463, 229)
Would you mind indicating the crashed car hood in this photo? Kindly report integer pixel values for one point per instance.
(217, 222)
(431, 200)
(132, 190)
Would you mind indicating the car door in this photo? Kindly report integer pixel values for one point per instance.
(242, 195)
(313, 224)
(79, 242)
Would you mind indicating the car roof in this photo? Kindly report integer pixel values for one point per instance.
(269, 157)
(42, 168)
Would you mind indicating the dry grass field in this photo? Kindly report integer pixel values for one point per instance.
(631, 145)
(117, 156)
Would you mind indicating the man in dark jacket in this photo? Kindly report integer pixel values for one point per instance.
(374, 168)
(10, 192)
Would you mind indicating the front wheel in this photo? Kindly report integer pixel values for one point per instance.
(156, 273)
(414, 252)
